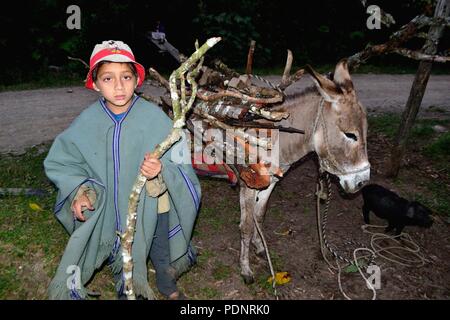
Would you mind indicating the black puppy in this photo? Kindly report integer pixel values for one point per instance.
(398, 211)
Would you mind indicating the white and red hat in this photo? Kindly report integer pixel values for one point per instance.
(114, 51)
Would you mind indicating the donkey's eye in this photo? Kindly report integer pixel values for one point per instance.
(351, 136)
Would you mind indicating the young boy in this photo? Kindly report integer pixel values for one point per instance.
(94, 164)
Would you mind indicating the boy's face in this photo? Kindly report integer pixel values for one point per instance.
(116, 82)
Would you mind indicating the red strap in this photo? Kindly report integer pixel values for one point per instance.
(106, 52)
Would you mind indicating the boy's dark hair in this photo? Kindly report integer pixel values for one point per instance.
(95, 71)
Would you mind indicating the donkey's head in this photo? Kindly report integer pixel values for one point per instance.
(340, 129)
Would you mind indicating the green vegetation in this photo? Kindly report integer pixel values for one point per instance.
(316, 34)
(439, 200)
(208, 293)
(388, 125)
(434, 146)
(221, 271)
(440, 148)
(32, 241)
(26, 170)
(221, 212)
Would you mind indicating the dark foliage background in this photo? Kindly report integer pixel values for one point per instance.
(34, 36)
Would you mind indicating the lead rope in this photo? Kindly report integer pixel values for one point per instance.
(321, 227)
(274, 282)
(391, 253)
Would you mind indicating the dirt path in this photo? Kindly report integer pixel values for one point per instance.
(31, 117)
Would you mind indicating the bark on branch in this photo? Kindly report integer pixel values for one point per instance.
(155, 75)
(396, 41)
(417, 55)
(251, 51)
(211, 96)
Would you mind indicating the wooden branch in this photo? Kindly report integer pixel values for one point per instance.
(222, 110)
(417, 55)
(269, 115)
(287, 68)
(191, 80)
(395, 41)
(207, 96)
(79, 60)
(439, 21)
(211, 77)
(221, 146)
(422, 35)
(251, 51)
(228, 72)
(293, 78)
(263, 91)
(219, 124)
(179, 112)
(158, 77)
(270, 126)
(442, 10)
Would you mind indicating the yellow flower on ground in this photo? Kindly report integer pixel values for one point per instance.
(35, 206)
(280, 278)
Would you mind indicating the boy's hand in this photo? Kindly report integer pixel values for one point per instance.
(151, 166)
(79, 205)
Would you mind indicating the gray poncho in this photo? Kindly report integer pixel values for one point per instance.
(105, 154)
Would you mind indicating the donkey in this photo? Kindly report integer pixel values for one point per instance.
(335, 125)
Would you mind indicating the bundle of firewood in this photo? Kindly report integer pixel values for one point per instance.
(241, 106)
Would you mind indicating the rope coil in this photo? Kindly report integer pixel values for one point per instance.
(402, 243)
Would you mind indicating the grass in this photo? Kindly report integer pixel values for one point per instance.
(388, 125)
(32, 241)
(25, 170)
(440, 147)
(208, 293)
(434, 146)
(221, 271)
(222, 211)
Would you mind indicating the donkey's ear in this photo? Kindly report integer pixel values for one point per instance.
(342, 76)
(327, 88)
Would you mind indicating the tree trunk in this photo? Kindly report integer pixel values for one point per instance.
(417, 91)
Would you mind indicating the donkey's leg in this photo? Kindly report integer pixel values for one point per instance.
(247, 202)
(261, 200)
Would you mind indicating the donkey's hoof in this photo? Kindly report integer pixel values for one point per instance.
(248, 279)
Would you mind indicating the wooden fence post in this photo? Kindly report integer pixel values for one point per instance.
(417, 91)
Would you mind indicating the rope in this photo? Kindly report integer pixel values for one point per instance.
(402, 243)
(322, 223)
(406, 244)
(321, 226)
(274, 282)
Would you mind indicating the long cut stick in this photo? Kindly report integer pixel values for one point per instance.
(179, 110)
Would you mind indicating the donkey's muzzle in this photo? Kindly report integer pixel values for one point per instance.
(352, 182)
